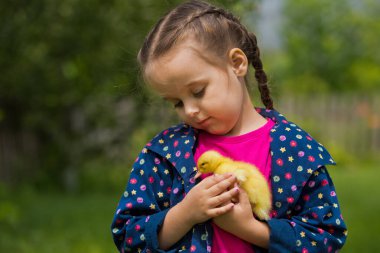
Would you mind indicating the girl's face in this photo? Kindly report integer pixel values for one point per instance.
(206, 95)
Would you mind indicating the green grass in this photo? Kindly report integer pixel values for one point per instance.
(359, 196)
(81, 223)
(61, 223)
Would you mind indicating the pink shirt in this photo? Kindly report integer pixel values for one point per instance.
(254, 148)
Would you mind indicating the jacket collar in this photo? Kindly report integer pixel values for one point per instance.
(285, 130)
(176, 145)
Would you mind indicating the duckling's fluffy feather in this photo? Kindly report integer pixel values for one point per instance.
(248, 176)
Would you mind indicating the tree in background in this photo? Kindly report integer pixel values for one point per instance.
(329, 46)
(72, 111)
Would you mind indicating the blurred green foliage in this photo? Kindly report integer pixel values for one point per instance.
(71, 103)
(53, 222)
(74, 114)
(328, 46)
(59, 223)
(72, 106)
(62, 66)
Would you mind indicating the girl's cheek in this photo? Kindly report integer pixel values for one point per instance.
(182, 116)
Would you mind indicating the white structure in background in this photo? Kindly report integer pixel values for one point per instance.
(268, 24)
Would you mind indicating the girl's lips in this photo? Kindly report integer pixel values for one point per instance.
(202, 122)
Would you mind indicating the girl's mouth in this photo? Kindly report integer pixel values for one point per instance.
(203, 122)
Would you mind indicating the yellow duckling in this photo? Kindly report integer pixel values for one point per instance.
(248, 176)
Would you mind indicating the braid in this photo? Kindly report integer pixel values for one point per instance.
(208, 10)
(218, 33)
(218, 11)
(253, 55)
(250, 48)
(260, 74)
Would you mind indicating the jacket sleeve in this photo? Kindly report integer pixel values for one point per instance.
(315, 224)
(143, 205)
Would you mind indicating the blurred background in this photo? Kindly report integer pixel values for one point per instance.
(74, 113)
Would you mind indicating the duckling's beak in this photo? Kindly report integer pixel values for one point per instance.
(197, 175)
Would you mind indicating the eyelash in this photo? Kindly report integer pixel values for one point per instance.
(198, 94)
(178, 104)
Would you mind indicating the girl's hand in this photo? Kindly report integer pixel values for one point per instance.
(204, 201)
(210, 198)
(239, 217)
(241, 222)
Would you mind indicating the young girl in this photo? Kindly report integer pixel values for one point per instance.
(197, 58)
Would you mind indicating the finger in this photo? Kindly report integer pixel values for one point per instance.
(224, 198)
(221, 186)
(243, 197)
(212, 213)
(214, 179)
(226, 203)
(235, 199)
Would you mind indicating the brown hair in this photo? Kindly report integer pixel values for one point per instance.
(215, 28)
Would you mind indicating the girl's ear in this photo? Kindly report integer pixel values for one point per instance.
(238, 61)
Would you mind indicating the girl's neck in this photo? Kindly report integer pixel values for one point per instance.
(250, 119)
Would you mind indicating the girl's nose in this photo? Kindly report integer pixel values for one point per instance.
(191, 110)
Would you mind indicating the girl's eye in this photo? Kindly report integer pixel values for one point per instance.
(199, 94)
(178, 104)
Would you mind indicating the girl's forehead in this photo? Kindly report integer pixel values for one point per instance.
(176, 64)
(182, 63)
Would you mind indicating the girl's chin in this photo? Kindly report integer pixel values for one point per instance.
(216, 131)
(212, 129)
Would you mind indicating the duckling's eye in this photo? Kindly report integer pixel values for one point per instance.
(203, 164)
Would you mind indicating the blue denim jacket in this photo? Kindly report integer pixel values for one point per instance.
(305, 216)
